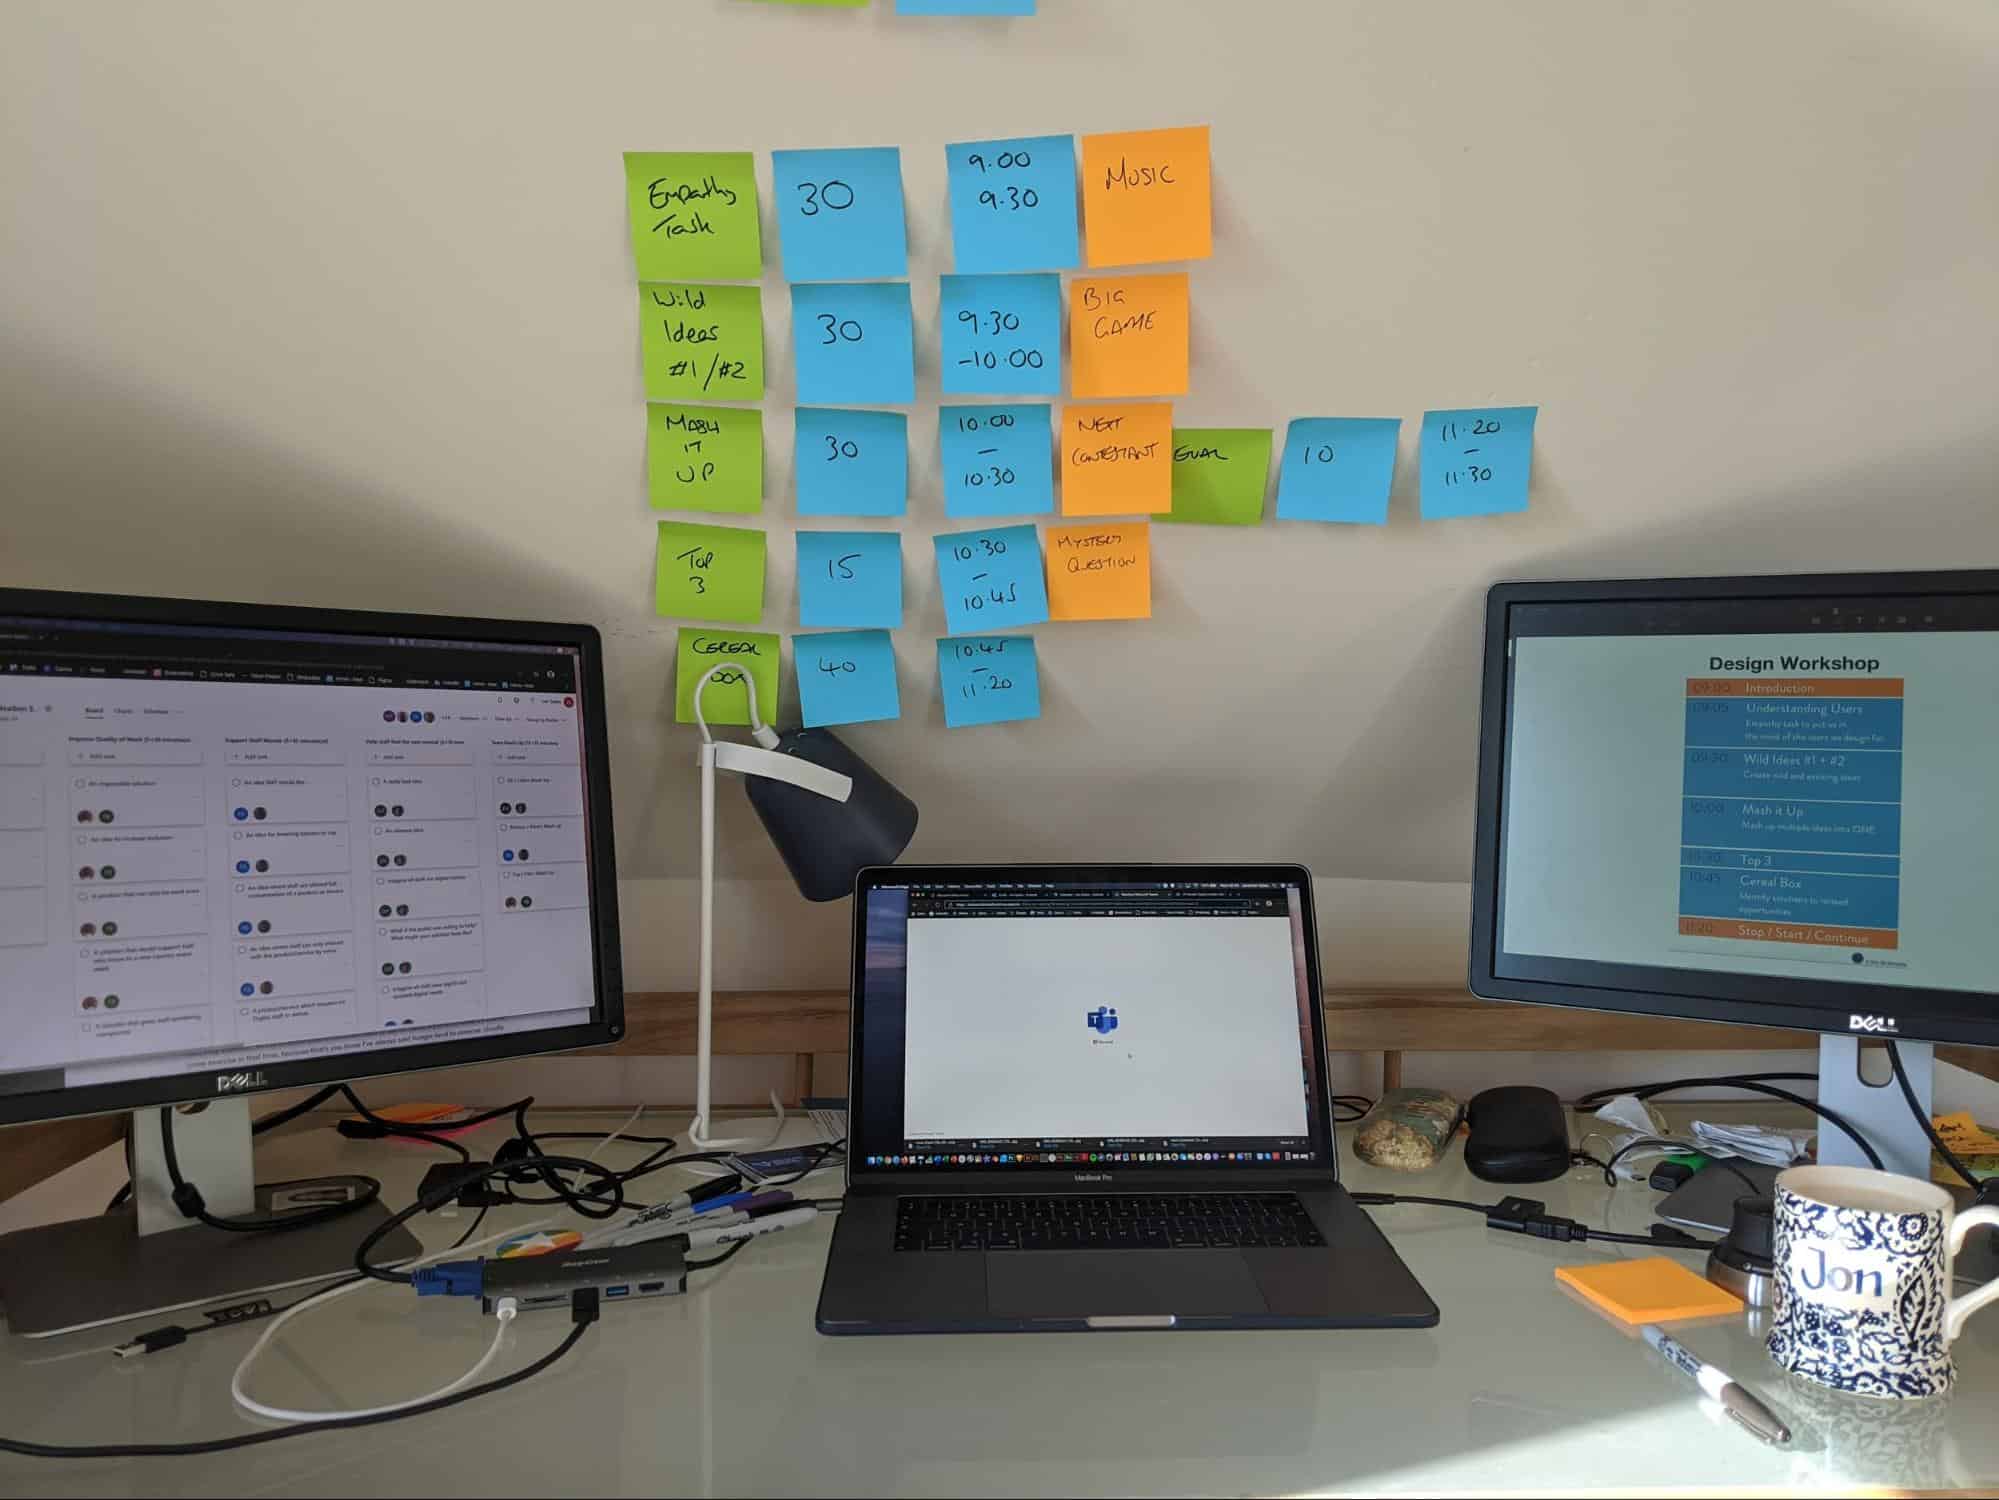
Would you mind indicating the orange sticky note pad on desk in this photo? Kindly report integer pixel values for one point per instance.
(1653, 1290)
(1099, 572)
(1147, 197)
(1128, 335)
(1117, 460)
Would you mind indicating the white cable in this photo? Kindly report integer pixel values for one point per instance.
(503, 1314)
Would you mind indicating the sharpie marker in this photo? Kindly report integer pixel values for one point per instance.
(702, 1238)
(1742, 1406)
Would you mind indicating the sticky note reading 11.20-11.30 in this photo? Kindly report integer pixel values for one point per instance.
(694, 215)
(741, 654)
(845, 677)
(988, 679)
(1146, 197)
(1475, 460)
(710, 572)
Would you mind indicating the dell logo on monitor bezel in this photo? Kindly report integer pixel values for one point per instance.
(235, 1083)
(1858, 1022)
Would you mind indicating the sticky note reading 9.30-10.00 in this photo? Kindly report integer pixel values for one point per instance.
(991, 579)
(854, 342)
(988, 679)
(710, 572)
(1128, 335)
(702, 343)
(997, 460)
(1219, 475)
(851, 463)
(839, 214)
(742, 654)
(1002, 335)
(705, 457)
(1146, 197)
(1117, 460)
(845, 677)
(1013, 204)
(1338, 469)
(1475, 460)
(1100, 571)
(850, 578)
(694, 215)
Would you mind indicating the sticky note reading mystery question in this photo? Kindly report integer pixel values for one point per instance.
(1117, 460)
(726, 700)
(1338, 469)
(694, 215)
(1128, 335)
(1002, 335)
(1475, 460)
(851, 463)
(991, 579)
(709, 572)
(705, 457)
(1013, 204)
(845, 677)
(839, 214)
(1146, 197)
(1219, 475)
(850, 578)
(702, 343)
(854, 341)
(1100, 571)
(997, 460)
(988, 679)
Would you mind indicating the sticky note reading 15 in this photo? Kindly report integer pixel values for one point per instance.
(850, 578)
(748, 658)
(991, 579)
(988, 679)
(702, 342)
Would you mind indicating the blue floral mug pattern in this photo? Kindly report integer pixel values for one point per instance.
(1862, 1287)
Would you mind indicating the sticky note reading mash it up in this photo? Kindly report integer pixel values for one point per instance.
(1013, 204)
(1128, 335)
(991, 579)
(848, 578)
(839, 214)
(997, 460)
(1219, 474)
(726, 700)
(705, 457)
(854, 342)
(1338, 469)
(1146, 197)
(1101, 571)
(1475, 460)
(702, 342)
(1117, 460)
(710, 572)
(694, 215)
(851, 463)
(988, 679)
(845, 677)
(1002, 335)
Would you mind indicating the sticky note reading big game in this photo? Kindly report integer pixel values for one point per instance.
(1117, 460)
(1128, 335)
(694, 215)
(1146, 197)
(748, 659)
(702, 342)
(1100, 572)
(839, 214)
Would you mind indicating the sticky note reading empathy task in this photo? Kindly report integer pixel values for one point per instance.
(1219, 474)
(991, 579)
(848, 578)
(1338, 469)
(743, 654)
(1146, 197)
(694, 215)
(1002, 335)
(997, 460)
(705, 457)
(854, 342)
(1117, 460)
(839, 214)
(845, 677)
(988, 679)
(1474, 460)
(851, 463)
(710, 572)
(1013, 204)
(702, 342)
(1128, 335)
(1101, 571)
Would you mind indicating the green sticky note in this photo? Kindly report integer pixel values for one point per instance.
(710, 572)
(702, 343)
(705, 457)
(1219, 475)
(694, 215)
(726, 699)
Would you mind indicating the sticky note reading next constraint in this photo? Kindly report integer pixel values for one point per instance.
(702, 343)
(726, 700)
(1128, 335)
(1219, 474)
(991, 579)
(988, 679)
(851, 463)
(710, 572)
(694, 215)
(854, 342)
(1002, 335)
(839, 214)
(705, 457)
(1117, 460)
(1474, 461)
(1338, 469)
(1013, 204)
(850, 578)
(997, 460)
(1101, 571)
(1146, 197)
(845, 677)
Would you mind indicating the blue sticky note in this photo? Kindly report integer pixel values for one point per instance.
(847, 677)
(998, 460)
(1338, 469)
(839, 214)
(1002, 335)
(991, 579)
(851, 463)
(1013, 204)
(1475, 460)
(988, 679)
(854, 342)
(964, 7)
(850, 578)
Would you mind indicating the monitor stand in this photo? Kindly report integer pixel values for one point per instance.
(1875, 1104)
(146, 1260)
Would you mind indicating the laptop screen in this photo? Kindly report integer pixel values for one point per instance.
(1013, 1020)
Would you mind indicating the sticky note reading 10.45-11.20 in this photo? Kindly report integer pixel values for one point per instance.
(1219, 474)
(988, 679)
(854, 341)
(702, 343)
(694, 215)
(991, 579)
(1475, 460)
(1002, 335)
(845, 677)
(1013, 204)
(705, 457)
(839, 214)
(1146, 197)
(740, 654)
(710, 572)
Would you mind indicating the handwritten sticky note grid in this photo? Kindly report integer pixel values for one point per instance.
(1002, 335)
(991, 579)
(997, 460)
(845, 677)
(850, 578)
(988, 679)
(851, 463)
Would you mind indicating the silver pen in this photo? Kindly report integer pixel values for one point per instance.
(1737, 1400)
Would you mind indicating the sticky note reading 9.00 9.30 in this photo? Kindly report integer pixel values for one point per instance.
(702, 343)
(845, 677)
(741, 654)
(1013, 204)
(988, 679)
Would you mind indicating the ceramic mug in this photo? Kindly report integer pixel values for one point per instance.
(1862, 1285)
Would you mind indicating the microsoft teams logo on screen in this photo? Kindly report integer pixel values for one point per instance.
(1102, 1020)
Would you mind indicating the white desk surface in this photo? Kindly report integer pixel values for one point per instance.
(729, 1391)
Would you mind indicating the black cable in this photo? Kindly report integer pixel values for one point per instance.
(1359, 1104)
(448, 1190)
(1530, 1216)
(258, 1126)
(1597, 1097)
(1753, 1083)
(715, 1260)
(187, 1197)
(1986, 1191)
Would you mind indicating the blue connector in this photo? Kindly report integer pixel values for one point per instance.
(451, 1278)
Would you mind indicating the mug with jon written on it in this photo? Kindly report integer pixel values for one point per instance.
(1862, 1288)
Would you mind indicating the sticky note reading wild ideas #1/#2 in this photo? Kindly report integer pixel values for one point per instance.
(1146, 197)
(741, 653)
(1128, 335)
(694, 215)
(1002, 335)
(991, 579)
(1013, 204)
(1100, 571)
(1219, 475)
(702, 343)
(854, 341)
(1117, 460)
(839, 214)
(997, 460)
(705, 457)
(850, 578)
(710, 572)
(988, 679)
(845, 677)
(1338, 469)
(1474, 461)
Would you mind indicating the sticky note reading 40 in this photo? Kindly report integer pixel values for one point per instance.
(705, 457)
(748, 659)
(1013, 204)
(1129, 335)
(1117, 460)
(988, 679)
(694, 215)
(854, 342)
(997, 460)
(845, 677)
(1146, 197)
(1475, 460)
(991, 579)
(839, 214)
(1002, 335)
(709, 572)
(1100, 572)
(702, 342)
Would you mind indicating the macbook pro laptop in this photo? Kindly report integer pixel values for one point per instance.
(1094, 1097)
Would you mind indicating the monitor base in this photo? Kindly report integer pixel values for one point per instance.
(1877, 1109)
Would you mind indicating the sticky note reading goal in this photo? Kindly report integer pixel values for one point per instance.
(1219, 474)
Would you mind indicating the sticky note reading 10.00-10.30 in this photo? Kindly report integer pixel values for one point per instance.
(991, 579)
(1219, 474)
(1002, 335)
(997, 460)
(702, 343)
(709, 572)
(1338, 469)
(839, 214)
(1100, 571)
(845, 677)
(694, 215)
(850, 578)
(1128, 335)
(1146, 197)
(1117, 460)
(854, 341)
(851, 463)
(726, 699)
(988, 679)
(1013, 204)
(705, 457)
(1475, 460)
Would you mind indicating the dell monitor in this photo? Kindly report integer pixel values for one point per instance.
(248, 847)
(1761, 800)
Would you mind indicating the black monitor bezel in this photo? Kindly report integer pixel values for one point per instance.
(608, 1023)
(1749, 1000)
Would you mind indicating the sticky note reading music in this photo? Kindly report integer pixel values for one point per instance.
(1146, 197)
(702, 343)
(1117, 460)
(997, 460)
(846, 677)
(694, 215)
(1474, 461)
(705, 457)
(1338, 469)
(850, 578)
(839, 214)
(1013, 204)
(709, 572)
(748, 659)
(854, 341)
(1101, 571)
(991, 579)
(988, 679)
(851, 463)
(1219, 474)
(1128, 335)
(1002, 335)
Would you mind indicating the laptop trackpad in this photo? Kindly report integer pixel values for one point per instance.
(1091, 1283)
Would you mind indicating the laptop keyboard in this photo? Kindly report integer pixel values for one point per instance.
(1104, 1221)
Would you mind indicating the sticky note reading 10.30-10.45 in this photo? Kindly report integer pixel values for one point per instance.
(850, 578)
(702, 343)
(1002, 335)
(991, 579)
(1338, 469)
(1100, 571)
(1013, 204)
(705, 457)
(997, 460)
(988, 679)
(1146, 197)
(710, 572)
(839, 214)
(854, 341)
(1474, 461)
(845, 677)
(694, 215)
(851, 463)
(726, 700)
(1219, 474)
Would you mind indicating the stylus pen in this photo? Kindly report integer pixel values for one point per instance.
(1736, 1400)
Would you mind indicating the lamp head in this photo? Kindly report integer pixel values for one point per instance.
(824, 843)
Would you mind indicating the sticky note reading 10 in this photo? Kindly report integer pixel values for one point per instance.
(705, 457)
(1338, 469)
(997, 460)
(1013, 204)
(991, 579)
(747, 658)
(1475, 460)
(846, 677)
(1002, 335)
(854, 342)
(702, 342)
(839, 214)
(988, 679)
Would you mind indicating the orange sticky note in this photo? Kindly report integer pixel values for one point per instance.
(1653, 1290)
(1117, 460)
(1099, 572)
(1128, 335)
(1146, 197)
